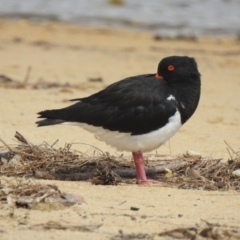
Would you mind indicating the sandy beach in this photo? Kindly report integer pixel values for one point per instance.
(63, 53)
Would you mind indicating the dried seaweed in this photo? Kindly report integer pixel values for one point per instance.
(41, 83)
(132, 236)
(26, 194)
(57, 226)
(189, 171)
(45, 161)
(209, 231)
(105, 177)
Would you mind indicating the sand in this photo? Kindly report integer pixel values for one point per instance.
(64, 53)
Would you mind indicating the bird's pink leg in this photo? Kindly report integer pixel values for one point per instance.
(141, 174)
(138, 160)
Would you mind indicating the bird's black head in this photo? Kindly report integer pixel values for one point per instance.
(178, 69)
(183, 78)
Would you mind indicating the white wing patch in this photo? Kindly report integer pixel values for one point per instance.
(171, 97)
(133, 143)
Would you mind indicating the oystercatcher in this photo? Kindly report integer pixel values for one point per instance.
(139, 113)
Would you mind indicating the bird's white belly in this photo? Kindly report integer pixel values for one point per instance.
(133, 143)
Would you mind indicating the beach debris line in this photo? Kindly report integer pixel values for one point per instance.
(58, 226)
(8, 82)
(124, 236)
(45, 161)
(30, 195)
(41, 83)
(200, 231)
(211, 231)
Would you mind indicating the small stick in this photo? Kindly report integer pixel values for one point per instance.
(27, 75)
(6, 146)
(54, 143)
(89, 145)
(51, 146)
(122, 203)
(230, 154)
(20, 138)
(230, 147)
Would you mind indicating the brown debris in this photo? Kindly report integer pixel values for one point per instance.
(190, 171)
(64, 177)
(35, 196)
(207, 231)
(96, 79)
(211, 231)
(41, 83)
(8, 82)
(57, 226)
(180, 233)
(132, 236)
(105, 177)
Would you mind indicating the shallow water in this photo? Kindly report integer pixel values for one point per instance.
(165, 17)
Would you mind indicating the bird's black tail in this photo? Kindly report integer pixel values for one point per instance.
(52, 117)
(48, 122)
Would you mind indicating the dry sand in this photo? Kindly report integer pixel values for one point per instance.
(73, 54)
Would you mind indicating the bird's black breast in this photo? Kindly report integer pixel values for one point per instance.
(137, 105)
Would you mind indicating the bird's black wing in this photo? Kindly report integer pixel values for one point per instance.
(137, 105)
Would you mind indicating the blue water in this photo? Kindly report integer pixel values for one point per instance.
(165, 17)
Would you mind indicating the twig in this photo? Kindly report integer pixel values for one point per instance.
(90, 146)
(22, 139)
(54, 143)
(51, 146)
(211, 224)
(122, 203)
(230, 154)
(230, 147)
(6, 146)
(27, 75)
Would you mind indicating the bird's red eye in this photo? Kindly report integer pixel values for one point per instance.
(170, 68)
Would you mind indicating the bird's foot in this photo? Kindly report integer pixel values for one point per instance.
(149, 182)
(141, 174)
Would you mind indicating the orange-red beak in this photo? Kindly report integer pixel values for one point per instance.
(158, 76)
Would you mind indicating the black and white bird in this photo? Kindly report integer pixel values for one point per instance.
(139, 113)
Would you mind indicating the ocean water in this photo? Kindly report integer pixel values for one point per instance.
(167, 18)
